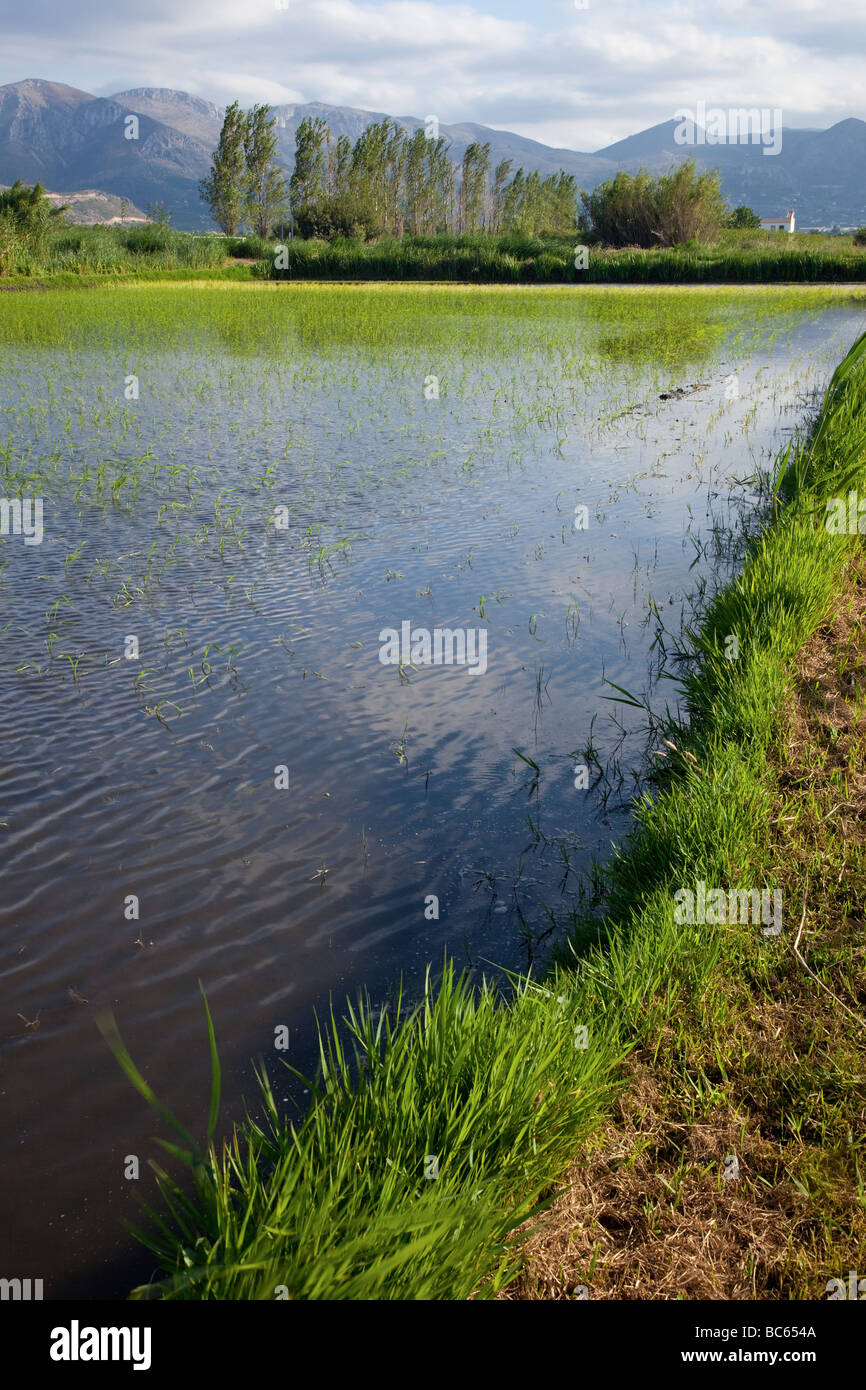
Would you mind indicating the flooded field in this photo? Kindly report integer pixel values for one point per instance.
(235, 750)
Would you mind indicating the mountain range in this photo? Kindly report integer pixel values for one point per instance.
(74, 141)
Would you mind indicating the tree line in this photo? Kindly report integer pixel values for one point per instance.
(394, 182)
(399, 182)
(246, 188)
(387, 182)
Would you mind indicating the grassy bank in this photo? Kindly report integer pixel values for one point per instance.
(733, 1167)
(433, 1133)
(67, 254)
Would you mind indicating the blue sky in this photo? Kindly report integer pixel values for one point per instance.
(579, 78)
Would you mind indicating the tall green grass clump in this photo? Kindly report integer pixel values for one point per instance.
(430, 1135)
(106, 250)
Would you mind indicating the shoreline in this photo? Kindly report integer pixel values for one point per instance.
(182, 277)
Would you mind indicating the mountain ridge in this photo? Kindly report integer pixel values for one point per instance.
(71, 139)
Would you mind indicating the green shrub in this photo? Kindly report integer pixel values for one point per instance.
(346, 216)
(152, 237)
(549, 267)
(742, 218)
(638, 210)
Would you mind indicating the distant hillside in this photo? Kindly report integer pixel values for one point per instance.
(200, 120)
(90, 206)
(71, 139)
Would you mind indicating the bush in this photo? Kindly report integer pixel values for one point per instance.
(9, 244)
(28, 209)
(348, 216)
(198, 252)
(549, 267)
(637, 210)
(520, 244)
(93, 249)
(26, 217)
(860, 237)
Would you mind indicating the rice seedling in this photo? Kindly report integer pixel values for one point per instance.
(156, 711)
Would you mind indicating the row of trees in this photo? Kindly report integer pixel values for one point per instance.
(246, 186)
(387, 181)
(394, 182)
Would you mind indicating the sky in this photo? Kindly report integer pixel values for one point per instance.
(578, 78)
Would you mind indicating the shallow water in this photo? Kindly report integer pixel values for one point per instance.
(438, 442)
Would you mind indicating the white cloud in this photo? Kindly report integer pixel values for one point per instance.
(567, 77)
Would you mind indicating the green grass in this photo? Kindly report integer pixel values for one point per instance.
(509, 258)
(340, 1206)
(112, 250)
(642, 324)
(739, 257)
(497, 1085)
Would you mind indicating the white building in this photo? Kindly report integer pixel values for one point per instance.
(779, 224)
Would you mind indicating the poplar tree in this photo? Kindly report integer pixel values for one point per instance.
(440, 173)
(473, 186)
(500, 180)
(417, 185)
(224, 189)
(307, 184)
(266, 188)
